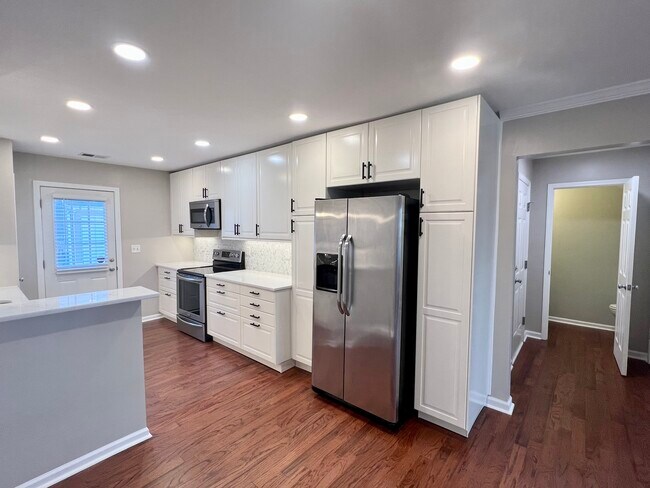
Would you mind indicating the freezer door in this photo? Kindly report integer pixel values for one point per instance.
(374, 301)
(329, 323)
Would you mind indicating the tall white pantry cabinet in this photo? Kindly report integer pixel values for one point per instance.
(456, 262)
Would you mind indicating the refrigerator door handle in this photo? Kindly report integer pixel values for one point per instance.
(347, 274)
(339, 274)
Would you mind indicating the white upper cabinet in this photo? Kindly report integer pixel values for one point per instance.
(213, 187)
(394, 148)
(229, 198)
(181, 195)
(449, 156)
(247, 196)
(347, 156)
(198, 183)
(308, 179)
(274, 193)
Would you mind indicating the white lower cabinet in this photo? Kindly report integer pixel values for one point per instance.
(251, 320)
(302, 298)
(167, 290)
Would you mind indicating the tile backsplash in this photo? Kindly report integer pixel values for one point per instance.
(270, 256)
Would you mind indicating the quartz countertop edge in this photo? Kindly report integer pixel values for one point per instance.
(68, 303)
(184, 264)
(257, 279)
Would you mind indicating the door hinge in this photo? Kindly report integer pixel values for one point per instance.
(526, 264)
(528, 206)
(523, 320)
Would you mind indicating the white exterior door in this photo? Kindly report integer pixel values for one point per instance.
(395, 146)
(449, 156)
(308, 179)
(303, 289)
(79, 241)
(625, 268)
(274, 193)
(347, 156)
(521, 264)
(443, 316)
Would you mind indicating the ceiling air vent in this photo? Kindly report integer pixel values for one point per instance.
(95, 156)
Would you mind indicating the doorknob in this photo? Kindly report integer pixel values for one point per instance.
(111, 269)
(518, 281)
(621, 287)
(632, 287)
(112, 260)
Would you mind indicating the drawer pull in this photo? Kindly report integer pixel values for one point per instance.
(254, 324)
(220, 284)
(167, 277)
(221, 292)
(253, 304)
(256, 293)
(220, 312)
(256, 317)
(167, 272)
(168, 294)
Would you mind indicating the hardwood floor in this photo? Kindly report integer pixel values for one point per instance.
(220, 419)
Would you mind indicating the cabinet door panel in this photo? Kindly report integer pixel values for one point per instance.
(224, 325)
(303, 289)
(302, 317)
(247, 196)
(274, 193)
(198, 183)
(186, 198)
(213, 180)
(347, 149)
(229, 198)
(258, 339)
(395, 146)
(444, 284)
(309, 173)
(167, 303)
(175, 202)
(449, 154)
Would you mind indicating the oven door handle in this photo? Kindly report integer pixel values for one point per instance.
(193, 279)
(190, 322)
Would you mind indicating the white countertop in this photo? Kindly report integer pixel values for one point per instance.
(48, 306)
(258, 279)
(12, 293)
(183, 264)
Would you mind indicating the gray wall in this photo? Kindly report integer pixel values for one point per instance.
(604, 165)
(605, 124)
(8, 249)
(145, 215)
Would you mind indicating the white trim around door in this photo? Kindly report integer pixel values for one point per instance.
(38, 226)
(548, 240)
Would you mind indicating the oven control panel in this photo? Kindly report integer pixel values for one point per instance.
(227, 255)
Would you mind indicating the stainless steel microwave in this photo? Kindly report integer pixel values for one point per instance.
(205, 214)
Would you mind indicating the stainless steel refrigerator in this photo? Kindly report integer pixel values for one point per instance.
(364, 303)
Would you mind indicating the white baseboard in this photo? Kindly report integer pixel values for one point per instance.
(303, 366)
(643, 356)
(582, 323)
(87, 460)
(500, 405)
(514, 358)
(443, 424)
(149, 318)
(531, 334)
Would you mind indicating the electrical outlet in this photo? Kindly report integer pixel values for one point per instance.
(135, 248)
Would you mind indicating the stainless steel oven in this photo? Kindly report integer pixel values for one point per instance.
(205, 214)
(190, 296)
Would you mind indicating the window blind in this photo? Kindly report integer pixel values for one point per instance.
(80, 234)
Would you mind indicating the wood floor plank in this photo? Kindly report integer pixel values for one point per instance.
(221, 419)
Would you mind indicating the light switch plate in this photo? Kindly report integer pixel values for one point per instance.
(135, 248)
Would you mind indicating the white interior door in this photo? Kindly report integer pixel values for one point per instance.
(521, 264)
(79, 241)
(625, 268)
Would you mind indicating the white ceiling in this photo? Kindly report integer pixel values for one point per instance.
(232, 71)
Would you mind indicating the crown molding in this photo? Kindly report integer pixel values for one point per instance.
(618, 92)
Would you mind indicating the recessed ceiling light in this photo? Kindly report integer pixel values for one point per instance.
(157, 159)
(298, 117)
(129, 52)
(78, 105)
(201, 143)
(463, 63)
(50, 139)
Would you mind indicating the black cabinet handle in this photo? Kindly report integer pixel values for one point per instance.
(220, 284)
(180, 228)
(220, 312)
(292, 205)
(363, 171)
(221, 292)
(257, 229)
(253, 304)
(168, 294)
(254, 324)
(293, 229)
(421, 197)
(421, 221)
(256, 317)
(256, 293)
(369, 166)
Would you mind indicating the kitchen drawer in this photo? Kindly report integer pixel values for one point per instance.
(223, 298)
(258, 339)
(224, 325)
(167, 283)
(167, 272)
(167, 302)
(256, 304)
(257, 316)
(215, 284)
(252, 292)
